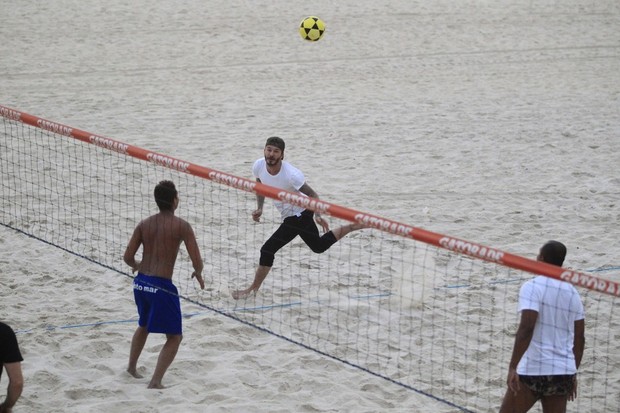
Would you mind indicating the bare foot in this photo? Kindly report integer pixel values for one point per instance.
(358, 226)
(155, 386)
(240, 294)
(134, 373)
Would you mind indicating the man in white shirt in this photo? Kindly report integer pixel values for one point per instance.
(272, 170)
(549, 342)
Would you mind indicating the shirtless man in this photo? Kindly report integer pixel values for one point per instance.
(156, 297)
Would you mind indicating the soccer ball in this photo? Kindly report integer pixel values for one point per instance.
(312, 28)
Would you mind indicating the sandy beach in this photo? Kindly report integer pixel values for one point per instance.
(493, 121)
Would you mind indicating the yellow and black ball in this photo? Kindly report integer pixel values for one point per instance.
(312, 28)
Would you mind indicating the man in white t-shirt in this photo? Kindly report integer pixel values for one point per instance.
(549, 342)
(272, 170)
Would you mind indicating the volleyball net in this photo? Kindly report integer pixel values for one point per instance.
(430, 312)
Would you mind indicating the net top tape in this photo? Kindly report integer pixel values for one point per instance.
(457, 245)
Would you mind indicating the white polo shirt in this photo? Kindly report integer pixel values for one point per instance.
(289, 179)
(558, 306)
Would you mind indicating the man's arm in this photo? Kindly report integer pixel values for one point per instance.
(579, 343)
(306, 189)
(522, 342)
(260, 201)
(132, 247)
(16, 386)
(194, 253)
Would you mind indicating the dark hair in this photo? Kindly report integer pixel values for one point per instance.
(553, 252)
(275, 141)
(165, 193)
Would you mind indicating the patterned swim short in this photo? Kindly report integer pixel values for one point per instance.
(558, 385)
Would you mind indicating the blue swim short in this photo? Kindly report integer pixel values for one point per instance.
(159, 307)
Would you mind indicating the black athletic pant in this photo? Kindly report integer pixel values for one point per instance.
(303, 226)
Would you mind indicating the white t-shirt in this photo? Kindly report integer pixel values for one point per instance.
(289, 179)
(558, 306)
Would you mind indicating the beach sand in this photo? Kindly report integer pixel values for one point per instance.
(492, 121)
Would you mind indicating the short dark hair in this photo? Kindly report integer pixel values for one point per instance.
(275, 141)
(553, 252)
(165, 193)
